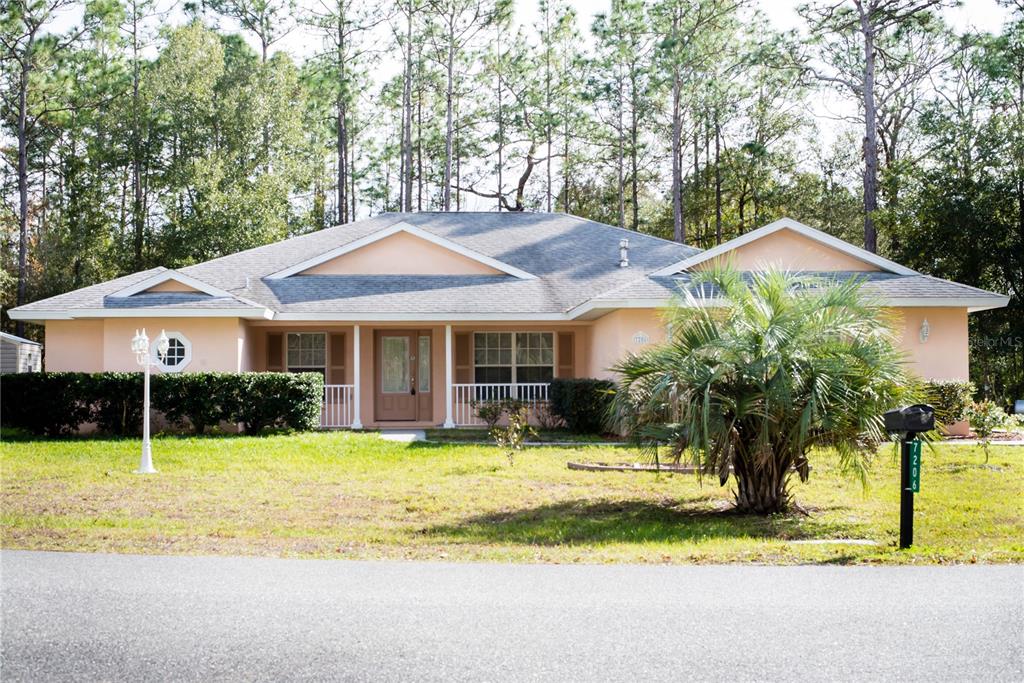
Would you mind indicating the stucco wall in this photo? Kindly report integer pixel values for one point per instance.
(613, 335)
(402, 254)
(218, 344)
(172, 286)
(74, 346)
(946, 354)
(789, 250)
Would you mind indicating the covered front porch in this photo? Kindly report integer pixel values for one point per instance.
(421, 374)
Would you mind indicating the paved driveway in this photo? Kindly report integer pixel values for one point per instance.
(89, 617)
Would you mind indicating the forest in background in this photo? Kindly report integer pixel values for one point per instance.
(148, 134)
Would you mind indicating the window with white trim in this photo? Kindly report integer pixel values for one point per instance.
(513, 357)
(307, 352)
(178, 356)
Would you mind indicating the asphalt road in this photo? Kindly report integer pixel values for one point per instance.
(109, 617)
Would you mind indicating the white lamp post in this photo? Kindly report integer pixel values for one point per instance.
(140, 345)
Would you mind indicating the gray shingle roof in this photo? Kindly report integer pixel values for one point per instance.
(884, 285)
(575, 261)
(175, 300)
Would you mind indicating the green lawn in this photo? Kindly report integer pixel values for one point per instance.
(355, 496)
(478, 435)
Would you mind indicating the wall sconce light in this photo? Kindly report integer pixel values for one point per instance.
(926, 330)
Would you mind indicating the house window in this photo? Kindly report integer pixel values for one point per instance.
(178, 356)
(307, 352)
(535, 357)
(513, 357)
(423, 374)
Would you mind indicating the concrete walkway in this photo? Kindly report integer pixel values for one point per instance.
(109, 617)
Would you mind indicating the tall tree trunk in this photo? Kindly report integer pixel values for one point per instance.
(138, 217)
(678, 226)
(501, 124)
(266, 126)
(342, 160)
(547, 104)
(446, 192)
(870, 131)
(350, 146)
(565, 162)
(23, 180)
(621, 148)
(407, 115)
(341, 142)
(718, 181)
(419, 136)
(457, 143)
(634, 151)
(742, 206)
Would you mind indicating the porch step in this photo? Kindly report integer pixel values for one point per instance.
(403, 435)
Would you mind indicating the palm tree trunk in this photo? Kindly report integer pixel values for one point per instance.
(761, 491)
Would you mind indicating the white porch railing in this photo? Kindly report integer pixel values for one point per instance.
(338, 408)
(533, 394)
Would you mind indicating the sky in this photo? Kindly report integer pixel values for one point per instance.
(983, 15)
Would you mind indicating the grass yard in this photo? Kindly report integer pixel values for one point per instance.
(354, 496)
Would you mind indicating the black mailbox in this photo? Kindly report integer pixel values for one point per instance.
(915, 418)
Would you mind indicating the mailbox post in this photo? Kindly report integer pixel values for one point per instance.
(908, 422)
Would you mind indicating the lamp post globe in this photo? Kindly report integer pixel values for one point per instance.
(163, 344)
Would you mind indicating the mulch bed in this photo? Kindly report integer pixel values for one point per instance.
(630, 467)
(998, 436)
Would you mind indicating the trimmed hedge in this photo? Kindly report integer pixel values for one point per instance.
(583, 404)
(57, 403)
(951, 400)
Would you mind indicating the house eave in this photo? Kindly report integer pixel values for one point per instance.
(92, 313)
(413, 316)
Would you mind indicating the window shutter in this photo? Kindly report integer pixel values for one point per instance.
(275, 352)
(463, 358)
(336, 372)
(566, 357)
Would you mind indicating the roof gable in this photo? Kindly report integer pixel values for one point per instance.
(401, 249)
(790, 245)
(170, 281)
(402, 253)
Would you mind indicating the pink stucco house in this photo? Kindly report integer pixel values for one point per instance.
(411, 316)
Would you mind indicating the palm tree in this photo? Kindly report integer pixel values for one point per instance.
(760, 368)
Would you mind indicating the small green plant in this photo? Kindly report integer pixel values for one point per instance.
(513, 435)
(545, 417)
(986, 417)
(489, 411)
(951, 399)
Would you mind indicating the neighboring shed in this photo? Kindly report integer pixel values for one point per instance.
(19, 355)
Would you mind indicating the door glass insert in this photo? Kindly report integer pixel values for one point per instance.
(395, 365)
(423, 377)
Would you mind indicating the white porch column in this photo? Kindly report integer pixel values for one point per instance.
(357, 422)
(449, 423)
